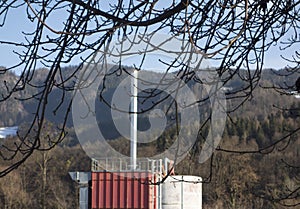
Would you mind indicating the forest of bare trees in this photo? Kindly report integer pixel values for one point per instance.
(233, 35)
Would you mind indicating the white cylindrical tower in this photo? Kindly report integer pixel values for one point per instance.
(182, 192)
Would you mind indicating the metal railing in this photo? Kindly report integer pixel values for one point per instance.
(123, 164)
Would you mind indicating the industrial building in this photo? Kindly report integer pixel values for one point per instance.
(117, 186)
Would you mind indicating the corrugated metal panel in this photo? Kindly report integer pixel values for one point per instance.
(130, 190)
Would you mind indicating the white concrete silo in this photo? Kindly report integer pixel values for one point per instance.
(182, 192)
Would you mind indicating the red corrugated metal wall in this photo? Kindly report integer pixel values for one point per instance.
(123, 190)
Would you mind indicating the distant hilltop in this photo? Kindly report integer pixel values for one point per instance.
(8, 131)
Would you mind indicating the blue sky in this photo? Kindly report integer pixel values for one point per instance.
(17, 22)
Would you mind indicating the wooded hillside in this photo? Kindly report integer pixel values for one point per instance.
(231, 179)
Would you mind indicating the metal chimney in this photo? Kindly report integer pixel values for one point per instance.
(133, 116)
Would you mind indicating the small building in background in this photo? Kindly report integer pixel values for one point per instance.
(8, 131)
